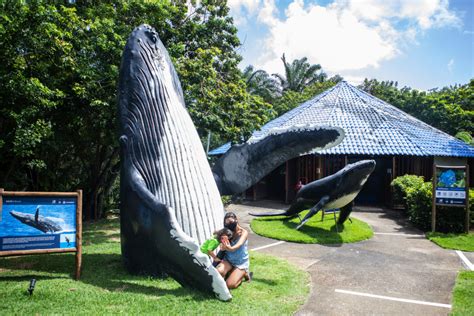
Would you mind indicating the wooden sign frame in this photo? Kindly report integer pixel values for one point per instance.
(466, 205)
(77, 249)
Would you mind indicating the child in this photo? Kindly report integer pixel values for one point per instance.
(208, 247)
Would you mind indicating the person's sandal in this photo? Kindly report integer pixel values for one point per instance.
(248, 276)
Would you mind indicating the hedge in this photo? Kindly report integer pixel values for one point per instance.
(417, 195)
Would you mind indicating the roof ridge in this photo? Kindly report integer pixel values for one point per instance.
(337, 97)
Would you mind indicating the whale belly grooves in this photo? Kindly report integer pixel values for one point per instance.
(169, 201)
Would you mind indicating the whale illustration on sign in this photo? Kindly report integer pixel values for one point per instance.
(336, 191)
(169, 197)
(42, 223)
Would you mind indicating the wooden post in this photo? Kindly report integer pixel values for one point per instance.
(79, 234)
(433, 207)
(394, 166)
(320, 166)
(287, 183)
(467, 200)
(1, 202)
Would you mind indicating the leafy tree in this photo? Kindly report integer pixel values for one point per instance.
(260, 83)
(299, 74)
(58, 79)
(465, 137)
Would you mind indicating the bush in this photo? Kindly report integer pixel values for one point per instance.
(400, 185)
(417, 196)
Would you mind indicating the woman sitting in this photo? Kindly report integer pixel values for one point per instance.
(236, 262)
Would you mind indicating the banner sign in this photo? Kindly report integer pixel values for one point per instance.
(41, 223)
(29, 223)
(450, 186)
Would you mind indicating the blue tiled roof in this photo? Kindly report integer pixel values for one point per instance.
(372, 126)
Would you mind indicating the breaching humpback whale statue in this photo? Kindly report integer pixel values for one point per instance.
(332, 192)
(169, 200)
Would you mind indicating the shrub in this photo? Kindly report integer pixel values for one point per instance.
(400, 185)
(417, 196)
(418, 205)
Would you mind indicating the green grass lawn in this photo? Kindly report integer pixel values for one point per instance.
(314, 231)
(105, 287)
(463, 294)
(464, 242)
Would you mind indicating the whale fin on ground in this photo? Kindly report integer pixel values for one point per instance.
(245, 164)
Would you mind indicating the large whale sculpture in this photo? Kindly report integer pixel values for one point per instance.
(42, 223)
(169, 200)
(336, 191)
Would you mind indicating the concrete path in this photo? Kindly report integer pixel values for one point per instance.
(397, 272)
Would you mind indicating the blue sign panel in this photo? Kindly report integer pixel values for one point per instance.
(450, 186)
(30, 223)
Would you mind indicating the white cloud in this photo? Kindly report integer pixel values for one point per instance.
(345, 34)
(450, 65)
(334, 38)
(241, 10)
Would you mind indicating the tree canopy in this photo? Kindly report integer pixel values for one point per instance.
(59, 74)
(58, 81)
(299, 74)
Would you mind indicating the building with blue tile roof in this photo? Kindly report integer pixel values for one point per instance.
(374, 129)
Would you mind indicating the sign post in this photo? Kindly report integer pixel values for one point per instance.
(450, 188)
(40, 223)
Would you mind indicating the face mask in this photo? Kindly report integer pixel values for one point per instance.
(231, 226)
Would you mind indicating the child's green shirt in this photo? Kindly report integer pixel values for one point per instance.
(210, 244)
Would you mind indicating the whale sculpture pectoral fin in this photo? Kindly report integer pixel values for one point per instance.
(315, 209)
(245, 164)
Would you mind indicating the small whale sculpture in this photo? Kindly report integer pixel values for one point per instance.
(332, 192)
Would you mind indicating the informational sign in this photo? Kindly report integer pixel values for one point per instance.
(38, 223)
(41, 222)
(450, 186)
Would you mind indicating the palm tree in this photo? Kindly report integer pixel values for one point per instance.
(260, 83)
(299, 74)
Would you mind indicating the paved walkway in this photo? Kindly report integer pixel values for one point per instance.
(397, 272)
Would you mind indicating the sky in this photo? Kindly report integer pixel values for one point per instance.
(422, 44)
